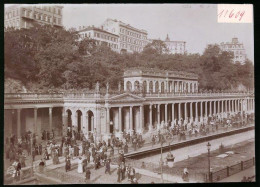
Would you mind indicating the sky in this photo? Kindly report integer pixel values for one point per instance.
(193, 23)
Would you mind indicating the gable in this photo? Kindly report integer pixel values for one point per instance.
(127, 97)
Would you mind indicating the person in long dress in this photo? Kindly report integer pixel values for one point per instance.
(80, 166)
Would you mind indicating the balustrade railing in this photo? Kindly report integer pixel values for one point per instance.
(93, 94)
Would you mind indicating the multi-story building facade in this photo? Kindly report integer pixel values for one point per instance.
(101, 36)
(23, 16)
(237, 48)
(131, 39)
(175, 47)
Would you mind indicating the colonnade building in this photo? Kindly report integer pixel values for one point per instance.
(115, 112)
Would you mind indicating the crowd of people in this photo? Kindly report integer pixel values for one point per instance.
(191, 127)
(89, 150)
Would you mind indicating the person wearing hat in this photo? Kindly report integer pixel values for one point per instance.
(132, 173)
(80, 166)
(118, 174)
(123, 170)
(126, 148)
(88, 174)
(107, 166)
(68, 164)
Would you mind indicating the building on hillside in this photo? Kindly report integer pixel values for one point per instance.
(175, 47)
(237, 48)
(23, 16)
(131, 39)
(101, 36)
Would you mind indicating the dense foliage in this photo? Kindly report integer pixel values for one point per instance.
(45, 57)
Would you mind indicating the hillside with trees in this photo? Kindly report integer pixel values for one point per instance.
(45, 58)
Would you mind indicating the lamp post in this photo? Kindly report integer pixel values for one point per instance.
(31, 140)
(161, 161)
(208, 147)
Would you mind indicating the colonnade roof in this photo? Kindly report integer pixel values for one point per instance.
(151, 72)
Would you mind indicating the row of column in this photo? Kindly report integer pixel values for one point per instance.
(35, 120)
(141, 118)
(215, 107)
(165, 86)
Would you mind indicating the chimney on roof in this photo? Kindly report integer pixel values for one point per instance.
(79, 28)
(102, 27)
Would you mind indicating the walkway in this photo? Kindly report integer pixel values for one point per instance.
(239, 176)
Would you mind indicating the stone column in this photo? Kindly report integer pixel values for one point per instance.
(131, 118)
(158, 114)
(201, 109)
(120, 119)
(226, 106)
(108, 120)
(222, 106)
(35, 120)
(196, 109)
(141, 125)
(150, 116)
(206, 109)
(191, 112)
(64, 122)
(172, 111)
(50, 117)
(185, 111)
(166, 113)
(218, 106)
(233, 109)
(87, 124)
(229, 106)
(84, 122)
(92, 123)
(179, 111)
(235, 105)
(214, 107)
(210, 107)
(18, 122)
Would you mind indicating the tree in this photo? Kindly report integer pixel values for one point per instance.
(157, 46)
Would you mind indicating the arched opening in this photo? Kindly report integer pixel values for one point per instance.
(156, 87)
(162, 87)
(69, 113)
(79, 120)
(145, 87)
(151, 87)
(129, 86)
(137, 86)
(90, 120)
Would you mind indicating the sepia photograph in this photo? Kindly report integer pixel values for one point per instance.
(128, 94)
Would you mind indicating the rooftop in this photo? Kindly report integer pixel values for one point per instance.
(159, 73)
(96, 29)
(128, 25)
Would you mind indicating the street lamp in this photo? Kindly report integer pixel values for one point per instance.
(31, 139)
(208, 147)
(161, 162)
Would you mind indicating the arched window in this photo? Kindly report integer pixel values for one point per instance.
(156, 87)
(129, 86)
(137, 86)
(151, 87)
(162, 87)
